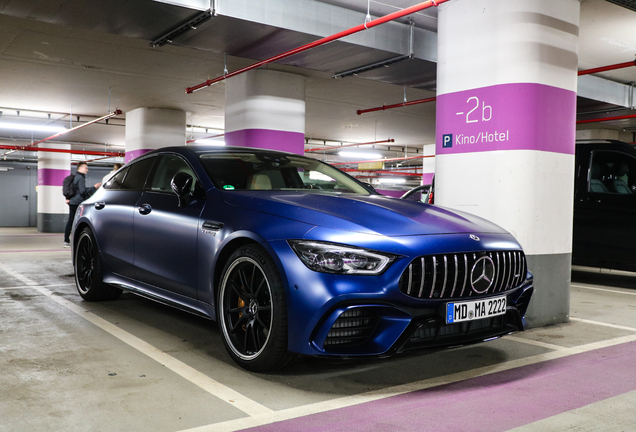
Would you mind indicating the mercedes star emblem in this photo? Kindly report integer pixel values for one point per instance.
(482, 275)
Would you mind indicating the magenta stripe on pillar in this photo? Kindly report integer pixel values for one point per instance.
(521, 116)
(292, 142)
(130, 155)
(51, 177)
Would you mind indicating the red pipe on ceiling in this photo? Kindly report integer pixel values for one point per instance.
(384, 160)
(398, 105)
(54, 150)
(607, 68)
(606, 119)
(207, 137)
(106, 117)
(383, 172)
(373, 23)
(390, 140)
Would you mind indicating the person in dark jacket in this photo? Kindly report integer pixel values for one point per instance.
(82, 193)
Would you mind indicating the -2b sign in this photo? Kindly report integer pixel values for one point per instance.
(447, 141)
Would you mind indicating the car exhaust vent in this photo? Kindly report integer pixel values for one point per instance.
(460, 275)
(353, 327)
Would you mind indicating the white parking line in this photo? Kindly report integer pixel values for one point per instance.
(31, 286)
(598, 323)
(603, 289)
(535, 343)
(287, 414)
(203, 381)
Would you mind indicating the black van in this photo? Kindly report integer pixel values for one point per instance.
(605, 205)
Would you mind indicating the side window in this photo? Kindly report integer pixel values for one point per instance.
(138, 173)
(167, 167)
(612, 172)
(117, 182)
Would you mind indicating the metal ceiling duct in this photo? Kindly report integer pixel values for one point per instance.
(627, 4)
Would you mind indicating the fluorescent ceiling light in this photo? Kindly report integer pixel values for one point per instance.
(28, 127)
(360, 155)
(315, 175)
(215, 142)
(392, 180)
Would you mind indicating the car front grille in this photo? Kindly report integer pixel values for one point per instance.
(448, 276)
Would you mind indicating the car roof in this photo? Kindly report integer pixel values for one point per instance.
(200, 149)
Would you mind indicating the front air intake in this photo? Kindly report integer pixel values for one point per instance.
(353, 327)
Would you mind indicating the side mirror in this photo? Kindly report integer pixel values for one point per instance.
(181, 185)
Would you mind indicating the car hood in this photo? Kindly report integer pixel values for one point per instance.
(373, 214)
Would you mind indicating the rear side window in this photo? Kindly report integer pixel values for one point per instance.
(612, 172)
(138, 173)
(167, 167)
(117, 182)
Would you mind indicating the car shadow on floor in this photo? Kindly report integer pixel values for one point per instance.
(618, 280)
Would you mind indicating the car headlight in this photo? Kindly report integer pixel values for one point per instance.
(340, 259)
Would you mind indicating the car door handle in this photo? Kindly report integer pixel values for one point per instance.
(100, 205)
(144, 209)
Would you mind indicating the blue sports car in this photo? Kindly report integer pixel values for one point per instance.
(294, 257)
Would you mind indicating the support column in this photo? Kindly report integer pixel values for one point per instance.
(266, 109)
(505, 132)
(52, 207)
(153, 128)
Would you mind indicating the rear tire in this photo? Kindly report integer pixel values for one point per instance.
(252, 311)
(88, 270)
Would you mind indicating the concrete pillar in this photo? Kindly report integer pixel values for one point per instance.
(52, 207)
(152, 128)
(266, 109)
(505, 131)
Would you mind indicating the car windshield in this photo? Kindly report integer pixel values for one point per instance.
(266, 171)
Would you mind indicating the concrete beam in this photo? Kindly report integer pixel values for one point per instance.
(321, 19)
(604, 90)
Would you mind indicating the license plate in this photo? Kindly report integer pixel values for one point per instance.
(474, 310)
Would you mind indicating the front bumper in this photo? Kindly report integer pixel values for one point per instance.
(340, 315)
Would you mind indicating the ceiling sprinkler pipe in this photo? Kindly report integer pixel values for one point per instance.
(398, 105)
(54, 150)
(106, 117)
(606, 119)
(204, 138)
(384, 160)
(390, 140)
(367, 25)
(607, 68)
(390, 173)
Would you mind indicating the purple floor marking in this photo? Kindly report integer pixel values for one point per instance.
(495, 402)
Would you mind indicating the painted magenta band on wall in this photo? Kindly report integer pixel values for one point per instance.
(520, 116)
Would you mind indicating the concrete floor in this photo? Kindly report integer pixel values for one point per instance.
(134, 365)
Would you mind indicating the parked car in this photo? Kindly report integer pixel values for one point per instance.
(417, 193)
(294, 257)
(605, 205)
(423, 193)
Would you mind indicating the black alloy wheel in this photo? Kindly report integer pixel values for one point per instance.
(252, 310)
(88, 270)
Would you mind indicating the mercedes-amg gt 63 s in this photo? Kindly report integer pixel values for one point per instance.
(294, 257)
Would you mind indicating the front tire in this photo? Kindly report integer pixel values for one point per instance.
(252, 310)
(89, 272)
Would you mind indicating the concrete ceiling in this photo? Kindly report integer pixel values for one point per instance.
(89, 57)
